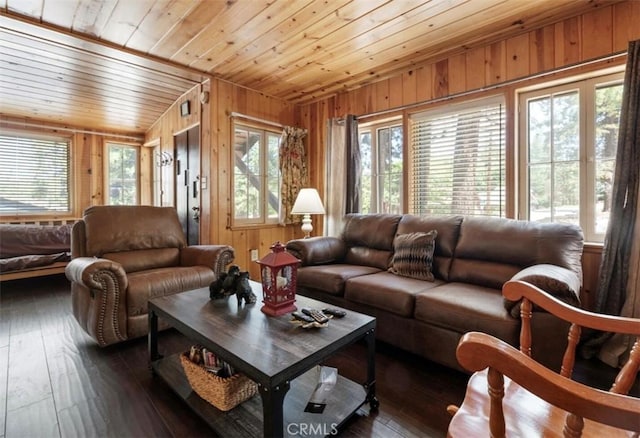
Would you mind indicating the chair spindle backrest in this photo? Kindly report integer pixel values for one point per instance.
(574, 424)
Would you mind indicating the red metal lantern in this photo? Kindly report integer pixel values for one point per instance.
(279, 271)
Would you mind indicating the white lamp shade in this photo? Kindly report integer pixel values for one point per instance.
(308, 202)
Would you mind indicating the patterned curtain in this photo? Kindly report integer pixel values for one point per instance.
(342, 182)
(617, 289)
(293, 170)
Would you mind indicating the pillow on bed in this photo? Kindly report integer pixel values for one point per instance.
(413, 255)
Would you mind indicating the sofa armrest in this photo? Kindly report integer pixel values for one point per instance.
(317, 250)
(559, 282)
(98, 289)
(217, 257)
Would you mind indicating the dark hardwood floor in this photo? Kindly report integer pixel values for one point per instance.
(56, 382)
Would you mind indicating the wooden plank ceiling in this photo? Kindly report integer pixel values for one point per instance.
(119, 64)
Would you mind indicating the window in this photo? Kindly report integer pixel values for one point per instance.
(122, 174)
(457, 159)
(381, 161)
(34, 174)
(569, 136)
(256, 177)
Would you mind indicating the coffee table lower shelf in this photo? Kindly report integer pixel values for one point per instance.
(245, 420)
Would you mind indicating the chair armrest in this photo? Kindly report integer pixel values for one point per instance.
(217, 257)
(477, 351)
(517, 290)
(98, 295)
(317, 250)
(557, 281)
(90, 271)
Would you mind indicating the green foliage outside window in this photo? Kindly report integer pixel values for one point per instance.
(458, 160)
(554, 155)
(256, 178)
(607, 118)
(122, 174)
(381, 167)
(571, 138)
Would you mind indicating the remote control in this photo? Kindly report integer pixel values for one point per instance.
(302, 317)
(334, 312)
(317, 315)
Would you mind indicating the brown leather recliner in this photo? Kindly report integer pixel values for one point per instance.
(122, 256)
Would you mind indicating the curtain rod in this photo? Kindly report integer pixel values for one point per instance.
(75, 131)
(494, 87)
(256, 119)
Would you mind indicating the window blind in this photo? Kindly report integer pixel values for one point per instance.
(457, 158)
(34, 174)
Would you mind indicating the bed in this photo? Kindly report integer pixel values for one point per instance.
(33, 250)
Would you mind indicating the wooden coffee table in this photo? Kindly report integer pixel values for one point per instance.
(280, 356)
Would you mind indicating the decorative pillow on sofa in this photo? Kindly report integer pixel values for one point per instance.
(413, 255)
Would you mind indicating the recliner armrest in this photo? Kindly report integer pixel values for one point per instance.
(318, 250)
(98, 288)
(87, 271)
(217, 257)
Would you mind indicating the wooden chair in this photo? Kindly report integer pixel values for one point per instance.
(510, 394)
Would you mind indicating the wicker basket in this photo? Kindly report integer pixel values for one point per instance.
(224, 393)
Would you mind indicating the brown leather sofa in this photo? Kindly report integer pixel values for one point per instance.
(472, 259)
(124, 255)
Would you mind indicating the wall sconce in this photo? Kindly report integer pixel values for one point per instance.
(163, 159)
(307, 203)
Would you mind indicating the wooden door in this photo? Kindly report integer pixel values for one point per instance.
(187, 190)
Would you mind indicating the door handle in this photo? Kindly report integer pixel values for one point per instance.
(196, 213)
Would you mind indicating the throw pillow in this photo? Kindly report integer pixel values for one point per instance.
(413, 255)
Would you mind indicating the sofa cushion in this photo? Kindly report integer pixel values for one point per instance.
(152, 283)
(413, 255)
(386, 291)
(369, 239)
(142, 259)
(480, 272)
(465, 307)
(492, 250)
(448, 228)
(375, 258)
(370, 230)
(330, 278)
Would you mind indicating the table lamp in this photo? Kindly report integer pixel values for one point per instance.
(307, 203)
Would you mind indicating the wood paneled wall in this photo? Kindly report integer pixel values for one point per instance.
(570, 42)
(215, 121)
(549, 49)
(163, 131)
(553, 49)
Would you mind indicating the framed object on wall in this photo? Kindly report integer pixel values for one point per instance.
(185, 108)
